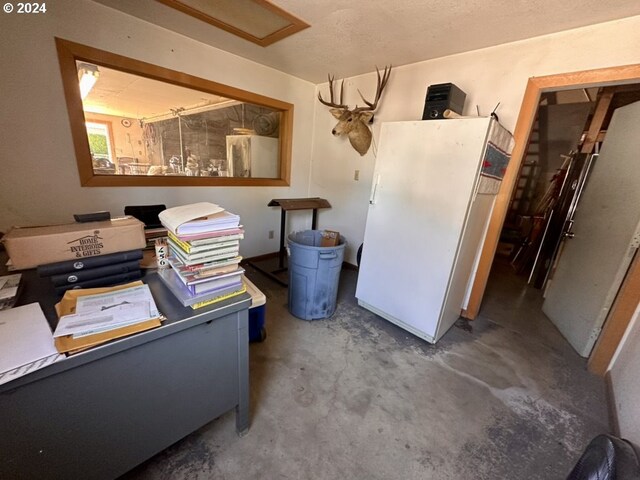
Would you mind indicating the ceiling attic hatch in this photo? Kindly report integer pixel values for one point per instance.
(258, 21)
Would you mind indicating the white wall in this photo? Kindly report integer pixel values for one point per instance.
(625, 372)
(38, 177)
(488, 76)
(39, 181)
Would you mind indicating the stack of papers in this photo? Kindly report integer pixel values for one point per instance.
(108, 311)
(211, 223)
(195, 218)
(26, 343)
(174, 218)
(91, 319)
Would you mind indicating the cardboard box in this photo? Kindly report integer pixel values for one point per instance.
(329, 238)
(29, 247)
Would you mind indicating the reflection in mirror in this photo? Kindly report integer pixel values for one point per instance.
(137, 124)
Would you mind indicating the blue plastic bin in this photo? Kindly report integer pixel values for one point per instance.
(257, 332)
(314, 275)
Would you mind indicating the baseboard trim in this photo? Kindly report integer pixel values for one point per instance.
(267, 256)
(260, 258)
(611, 404)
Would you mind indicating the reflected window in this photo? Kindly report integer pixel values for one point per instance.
(101, 146)
(176, 131)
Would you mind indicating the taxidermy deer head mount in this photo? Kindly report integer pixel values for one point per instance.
(353, 123)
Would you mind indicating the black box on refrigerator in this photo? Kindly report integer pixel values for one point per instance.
(441, 97)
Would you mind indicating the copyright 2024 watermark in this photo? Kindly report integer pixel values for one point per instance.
(25, 8)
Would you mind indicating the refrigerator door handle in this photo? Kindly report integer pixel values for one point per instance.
(374, 190)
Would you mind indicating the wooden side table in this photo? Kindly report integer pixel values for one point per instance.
(286, 204)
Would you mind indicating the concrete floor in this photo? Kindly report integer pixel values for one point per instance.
(355, 397)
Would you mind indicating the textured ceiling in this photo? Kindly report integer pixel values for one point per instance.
(128, 95)
(350, 38)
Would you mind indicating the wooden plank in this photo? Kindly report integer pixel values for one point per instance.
(294, 26)
(535, 87)
(631, 88)
(601, 77)
(299, 203)
(618, 320)
(602, 108)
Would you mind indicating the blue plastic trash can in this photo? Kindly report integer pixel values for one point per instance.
(314, 275)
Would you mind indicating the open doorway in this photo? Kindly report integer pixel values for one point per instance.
(563, 148)
(541, 90)
(572, 215)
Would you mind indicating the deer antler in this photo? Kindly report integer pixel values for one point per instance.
(382, 82)
(332, 103)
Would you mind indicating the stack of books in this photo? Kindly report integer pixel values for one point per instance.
(97, 271)
(204, 242)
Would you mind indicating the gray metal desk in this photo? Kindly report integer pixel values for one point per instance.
(100, 413)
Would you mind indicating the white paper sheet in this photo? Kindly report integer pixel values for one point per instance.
(102, 320)
(105, 301)
(29, 367)
(26, 342)
(172, 218)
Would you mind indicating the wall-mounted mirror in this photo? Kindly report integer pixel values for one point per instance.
(139, 124)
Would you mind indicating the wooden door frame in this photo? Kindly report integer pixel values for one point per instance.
(536, 86)
(620, 315)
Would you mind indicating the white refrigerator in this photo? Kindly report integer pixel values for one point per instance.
(253, 156)
(434, 187)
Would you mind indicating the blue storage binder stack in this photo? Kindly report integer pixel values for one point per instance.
(97, 271)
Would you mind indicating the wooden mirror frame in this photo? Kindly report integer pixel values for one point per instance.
(69, 53)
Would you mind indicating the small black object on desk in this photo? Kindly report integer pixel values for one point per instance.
(313, 203)
(147, 214)
(92, 217)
